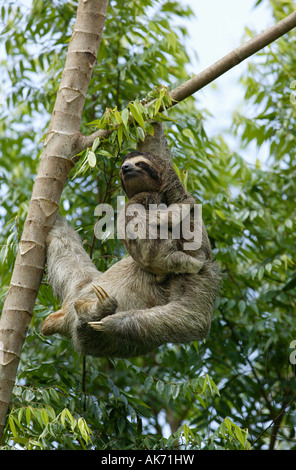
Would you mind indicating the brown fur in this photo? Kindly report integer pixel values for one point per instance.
(159, 256)
(124, 311)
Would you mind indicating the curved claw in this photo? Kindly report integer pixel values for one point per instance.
(100, 293)
(97, 325)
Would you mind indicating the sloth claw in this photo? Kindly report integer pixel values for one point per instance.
(100, 293)
(97, 325)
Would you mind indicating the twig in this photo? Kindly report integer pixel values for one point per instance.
(106, 196)
(275, 420)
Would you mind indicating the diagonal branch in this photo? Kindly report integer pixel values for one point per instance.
(212, 72)
(233, 58)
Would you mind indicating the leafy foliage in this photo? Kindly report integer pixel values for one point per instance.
(236, 389)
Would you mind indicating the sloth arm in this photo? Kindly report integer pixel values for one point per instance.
(174, 214)
(177, 321)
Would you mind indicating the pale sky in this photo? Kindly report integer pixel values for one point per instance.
(219, 28)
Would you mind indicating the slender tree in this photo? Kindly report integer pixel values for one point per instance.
(59, 147)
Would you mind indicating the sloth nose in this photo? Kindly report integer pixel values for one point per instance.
(126, 167)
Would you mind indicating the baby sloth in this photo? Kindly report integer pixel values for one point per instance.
(154, 242)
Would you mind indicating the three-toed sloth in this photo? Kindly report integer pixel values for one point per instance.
(155, 236)
(159, 294)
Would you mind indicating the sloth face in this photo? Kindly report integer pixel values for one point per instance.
(138, 174)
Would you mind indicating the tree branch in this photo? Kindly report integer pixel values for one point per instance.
(214, 71)
(233, 58)
(276, 424)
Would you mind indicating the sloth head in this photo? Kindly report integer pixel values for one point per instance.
(141, 172)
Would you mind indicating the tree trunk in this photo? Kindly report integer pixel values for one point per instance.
(60, 145)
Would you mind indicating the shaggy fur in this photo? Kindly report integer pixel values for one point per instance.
(125, 311)
(139, 314)
(159, 256)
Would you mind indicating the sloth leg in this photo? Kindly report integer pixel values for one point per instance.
(179, 263)
(55, 323)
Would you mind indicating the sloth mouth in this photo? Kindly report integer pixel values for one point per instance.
(130, 172)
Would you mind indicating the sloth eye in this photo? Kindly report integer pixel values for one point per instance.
(140, 164)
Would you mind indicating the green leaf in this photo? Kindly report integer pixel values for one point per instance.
(137, 114)
(28, 415)
(63, 418)
(54, 395)
(141, 134)
(125, 116)
(268, 267)
(160, 386)
(92, 159)
(119, 135)
(84, 429)
(228, 425)
(157, 105)
(240, 436)
(242, 306)
(261, 273)
(44, 416)
(29, 395)
(175, 391)
(186, 432)
(121, 425)
(12, 426)
(118, 117)
(201, 401)
(95, 144)
(148, 383)
(168, 389)
(188, 133)
(214, 386)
